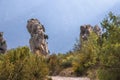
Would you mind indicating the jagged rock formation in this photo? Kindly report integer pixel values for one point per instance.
(38, 38)
(3, 45)
(85, 31)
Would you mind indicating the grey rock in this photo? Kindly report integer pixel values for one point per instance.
(38, 43)
(85, 31)
(97, 30)
(3, 45)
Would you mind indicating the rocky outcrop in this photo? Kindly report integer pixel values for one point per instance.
(38, 43)
(85, 31)
(3, 45)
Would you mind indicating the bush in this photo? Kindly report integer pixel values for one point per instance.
(110, 51)
(53, 64)
(109, 74)
(20, 64)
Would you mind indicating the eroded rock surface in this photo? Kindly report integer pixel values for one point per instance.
(38, 43)
(85, 31)
(3, 45)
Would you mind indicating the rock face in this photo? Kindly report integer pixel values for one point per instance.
(38, 43)
(86, 29)
(3, 45)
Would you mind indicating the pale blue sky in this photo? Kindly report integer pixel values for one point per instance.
(61, 18)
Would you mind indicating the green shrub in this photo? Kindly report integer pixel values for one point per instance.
(20, 64)
(109, 74)
(110, 50)
(54, 64)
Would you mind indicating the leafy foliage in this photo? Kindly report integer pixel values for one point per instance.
(87, 57)
(53, 64)
(20, 64)
(110, 52)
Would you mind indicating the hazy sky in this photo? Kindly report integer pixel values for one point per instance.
(61, 18)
